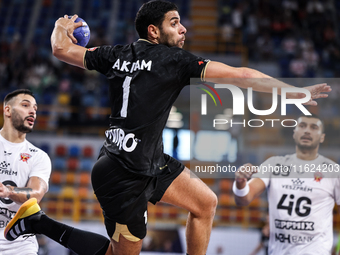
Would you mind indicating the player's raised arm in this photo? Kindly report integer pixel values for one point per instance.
(244, 77)
(246, 191)
(63, 42)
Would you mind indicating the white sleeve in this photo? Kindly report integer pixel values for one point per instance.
(337, 191)
(266, 181)
(264, 176)
(42, 167)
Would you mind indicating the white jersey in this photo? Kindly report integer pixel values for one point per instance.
(301, 203)
(19, 162)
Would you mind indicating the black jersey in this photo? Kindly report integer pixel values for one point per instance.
(145, 80)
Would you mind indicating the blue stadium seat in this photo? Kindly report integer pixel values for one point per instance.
(54, 189)
(86, 164)
(74, 151)
(45, 147)
(59, 164)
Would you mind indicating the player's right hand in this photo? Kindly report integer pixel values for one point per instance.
(4, 191)
(244, 173)
(69, 25)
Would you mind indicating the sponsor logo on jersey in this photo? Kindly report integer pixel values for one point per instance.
(7, 213)
(126, 66)
(25, 157)
(7, 153)
(297, 185)
(302, 239)
(282, 238)
(33, 150)
(318, 176)
(4, 165)
(294, 225)
(117, 136)
(4, 169)
(200, 62)
(297, 182)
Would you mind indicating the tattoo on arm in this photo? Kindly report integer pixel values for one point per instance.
(43, 185)
(27, 190)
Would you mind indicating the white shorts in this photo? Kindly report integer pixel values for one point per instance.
(19, 247)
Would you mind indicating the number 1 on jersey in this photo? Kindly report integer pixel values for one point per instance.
(126, 92)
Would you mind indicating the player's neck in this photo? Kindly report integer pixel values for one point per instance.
(12, 135)
(151, 40)
(307, 154)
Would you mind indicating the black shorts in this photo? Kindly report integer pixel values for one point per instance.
(124, 196)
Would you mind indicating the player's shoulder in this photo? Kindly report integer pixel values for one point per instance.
(105, 50)
(176, 51)
(164, 49)
(281, 158)
(325, 160)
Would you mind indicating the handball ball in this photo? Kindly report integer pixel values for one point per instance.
(82, 34)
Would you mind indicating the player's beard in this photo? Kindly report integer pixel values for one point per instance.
(168, 41)
(19, 123)
(310, 147)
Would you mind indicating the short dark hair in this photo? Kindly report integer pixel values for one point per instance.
(315, 117)
(152, 12)
(14, 93)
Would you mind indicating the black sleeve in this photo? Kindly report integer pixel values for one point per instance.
(101, 58)
(189, 66)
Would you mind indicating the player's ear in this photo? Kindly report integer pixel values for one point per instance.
(153, 32)
(322, 138)
(294, 130)
(7, 110)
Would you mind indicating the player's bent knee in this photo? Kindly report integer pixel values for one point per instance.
(207, 208)
(213, 201)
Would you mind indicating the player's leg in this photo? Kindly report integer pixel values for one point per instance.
(31, 220)
(123, 197)
(109, 250)
(189, 192)
(125, 247)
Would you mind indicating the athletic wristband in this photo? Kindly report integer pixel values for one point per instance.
(241, 192)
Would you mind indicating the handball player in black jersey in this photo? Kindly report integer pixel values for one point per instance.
(145, 78)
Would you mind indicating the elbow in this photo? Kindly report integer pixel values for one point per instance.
(242, 77)
(60, 50)
(38, 196)
(241, 201)
(246, 73)
(57, 50)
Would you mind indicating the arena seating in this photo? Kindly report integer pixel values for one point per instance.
(70, 193)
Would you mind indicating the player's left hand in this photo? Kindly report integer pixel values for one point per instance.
(316, 91)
